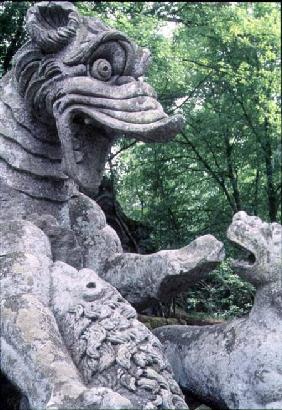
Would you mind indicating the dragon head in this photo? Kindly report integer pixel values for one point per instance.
(263, 241)
(85, 80)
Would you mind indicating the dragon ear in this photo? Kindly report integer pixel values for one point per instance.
(52, 24)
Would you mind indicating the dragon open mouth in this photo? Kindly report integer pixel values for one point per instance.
(89, 117)
(240, 236)
(247, 258)
(131, 109)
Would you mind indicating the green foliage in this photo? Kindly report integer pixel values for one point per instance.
(223, 296)
(222, 69)
(12, 34)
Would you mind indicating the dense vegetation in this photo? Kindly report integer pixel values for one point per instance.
(218, 64)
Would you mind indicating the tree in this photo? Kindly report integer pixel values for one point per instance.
(221, 70)
(12, 33)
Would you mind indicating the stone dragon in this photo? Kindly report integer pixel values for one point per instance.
(241, 367)
(68, 338)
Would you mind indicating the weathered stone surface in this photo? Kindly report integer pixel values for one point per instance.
(142, 279)
(25, 260)
(238, 365)
(63, 241)
(153, 322)
(108, 345)
(97, 240)
(122, 363)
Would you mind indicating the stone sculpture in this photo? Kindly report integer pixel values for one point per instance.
(110, 348)
(67, 335)
(238, 365)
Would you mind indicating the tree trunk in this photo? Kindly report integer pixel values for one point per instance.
(231, 173)
(271, 193)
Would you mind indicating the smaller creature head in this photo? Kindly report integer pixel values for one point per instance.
(86, 79)
(263, 241)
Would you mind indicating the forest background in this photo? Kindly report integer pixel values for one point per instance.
(219, 65)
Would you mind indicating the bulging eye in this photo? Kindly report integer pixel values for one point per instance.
(101, 69)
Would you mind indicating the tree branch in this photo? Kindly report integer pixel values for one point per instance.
(219, 180)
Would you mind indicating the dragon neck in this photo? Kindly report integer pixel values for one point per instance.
(268, 299)
(31, 176)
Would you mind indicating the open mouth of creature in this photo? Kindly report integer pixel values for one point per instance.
(246, 254)
(247, 258)
(90, 115)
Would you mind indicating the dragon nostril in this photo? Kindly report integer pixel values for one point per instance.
(91, 285)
